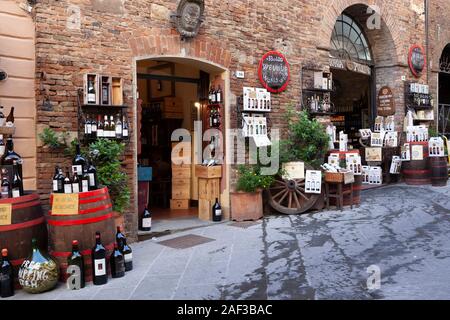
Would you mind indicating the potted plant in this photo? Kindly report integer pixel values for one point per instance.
(246, 202)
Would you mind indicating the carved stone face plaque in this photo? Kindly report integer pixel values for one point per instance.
(189, 17)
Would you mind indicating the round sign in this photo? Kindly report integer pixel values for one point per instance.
(417, 60)
(274, 72)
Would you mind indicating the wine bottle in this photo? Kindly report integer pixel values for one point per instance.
(217, 211)
(120, 237)
(105, 92)
(85, 182)
(6, 188)
(67, 183)
(219, 95)
(127, 256)
(99, 261)
(2, 145)
(56, 180)
(76, 259)
(117, 263)
(106, 127)
(118, 128)
(146, 224)
(9, 156)
(92, 173)
(17, 182)
(10, 118)
(60, 181)
(78, 162)
(99, 127)
(75, 184)
(125, 128)
(91, 94)
(2, 117)
(87, 127)
(112, 127)
(93, 128)
(6, 276)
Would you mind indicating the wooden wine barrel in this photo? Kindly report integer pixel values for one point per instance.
(27, 222)
(417, 172)
(95, 214)
(439, 171)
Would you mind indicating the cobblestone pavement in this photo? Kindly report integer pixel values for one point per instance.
(403, 230)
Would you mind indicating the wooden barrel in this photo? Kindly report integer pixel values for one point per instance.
(417, 172)
(27, 222)
(95, 214)
(439, 171)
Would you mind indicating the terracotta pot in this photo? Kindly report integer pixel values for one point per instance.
(119, 220)
(246, 206)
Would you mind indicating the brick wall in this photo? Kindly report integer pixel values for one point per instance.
(235, 35)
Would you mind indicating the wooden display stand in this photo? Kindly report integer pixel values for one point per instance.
(181, 179)
(208, 189)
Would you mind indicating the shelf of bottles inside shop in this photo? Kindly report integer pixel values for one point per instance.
(215, 104)
(316, 94)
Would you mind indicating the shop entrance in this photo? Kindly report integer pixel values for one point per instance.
(351, 97)
(173, 93)
(444, 93)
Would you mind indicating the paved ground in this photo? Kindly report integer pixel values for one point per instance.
(402, 230)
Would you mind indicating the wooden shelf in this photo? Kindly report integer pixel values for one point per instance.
(317, 90)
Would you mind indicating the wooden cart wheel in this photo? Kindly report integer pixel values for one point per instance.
(289, 196)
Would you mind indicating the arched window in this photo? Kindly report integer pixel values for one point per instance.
(348, 41)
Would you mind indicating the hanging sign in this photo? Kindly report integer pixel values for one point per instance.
(417, 60)
(386, 102)
(5, 214)
(274, 72)
(65, 204)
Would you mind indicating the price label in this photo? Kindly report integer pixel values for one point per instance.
(65, 204)
(5, 214)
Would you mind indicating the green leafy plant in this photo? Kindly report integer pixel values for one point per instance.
(250, 179)
(105, 154)
(307, 139)
(50, 138)
(432, 132)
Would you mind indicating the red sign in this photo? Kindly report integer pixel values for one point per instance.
(417, 60)
(274, 72)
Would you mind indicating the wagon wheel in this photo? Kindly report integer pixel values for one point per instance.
(289, 196)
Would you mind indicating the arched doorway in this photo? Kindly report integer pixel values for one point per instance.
(173, 93)
(444, 93)
(352, 68)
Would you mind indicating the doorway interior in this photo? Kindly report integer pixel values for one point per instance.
(444, 93)
(173, 93)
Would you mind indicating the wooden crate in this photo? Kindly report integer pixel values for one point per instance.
(205, 210)
(181, 171)
(181, 189)
(173, 105)
(179, 204)
(208, 189)
(208, 172)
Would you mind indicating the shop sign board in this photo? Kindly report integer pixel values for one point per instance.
(65, 204)
(417, 60)
(5, 214)
(274, 72)
(350, 66)
(386, 102)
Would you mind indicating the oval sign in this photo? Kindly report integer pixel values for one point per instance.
(417, 60)
(386, 102)
(274, 72)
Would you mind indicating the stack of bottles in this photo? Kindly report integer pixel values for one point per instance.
(106, 127)
(82, 179)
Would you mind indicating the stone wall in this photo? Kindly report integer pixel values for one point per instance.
(79, 36)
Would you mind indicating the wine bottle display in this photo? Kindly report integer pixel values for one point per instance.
(217, 211)
(127, 255)
(99, 262)
(146, 224)
(67, 183)
(17, 182)
(120, 237)
(78, 162)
